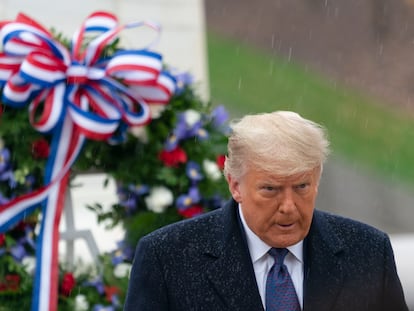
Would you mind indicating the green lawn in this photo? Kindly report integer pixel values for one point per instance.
(362, 130)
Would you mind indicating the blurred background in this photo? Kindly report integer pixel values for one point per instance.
(347, 64)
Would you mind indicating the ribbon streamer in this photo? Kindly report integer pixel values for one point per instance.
(73, 94)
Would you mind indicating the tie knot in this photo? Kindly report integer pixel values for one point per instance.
(278, 254)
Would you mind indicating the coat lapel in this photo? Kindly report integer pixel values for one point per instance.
(323, 266)
(232, 274)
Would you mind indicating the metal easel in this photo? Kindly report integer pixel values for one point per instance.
(71, 234)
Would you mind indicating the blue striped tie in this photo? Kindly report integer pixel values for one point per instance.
(280, 292)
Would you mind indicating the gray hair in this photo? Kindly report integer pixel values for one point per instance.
(281, 142)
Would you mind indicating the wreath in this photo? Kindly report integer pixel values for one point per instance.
(167, 167)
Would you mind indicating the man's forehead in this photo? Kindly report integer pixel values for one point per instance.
(291, 177)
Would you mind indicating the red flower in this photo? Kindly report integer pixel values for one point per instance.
(111, 291)
(40, 149)
(173, 157)
(2, 239)
(12, 281)
(68, 283)
(191, 211)
(220, 161)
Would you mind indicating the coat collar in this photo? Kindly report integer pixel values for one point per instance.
(323, 265)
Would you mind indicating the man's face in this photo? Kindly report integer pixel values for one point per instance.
(278, 209)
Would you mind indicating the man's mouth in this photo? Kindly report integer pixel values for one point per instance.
(288, 225)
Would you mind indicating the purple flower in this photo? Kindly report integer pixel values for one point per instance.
(183, 79)
(100, 307)
(188, 125)
(115, 301)
(30, 181)
(4, 160)
(202, 134)
(123, 252)
(185, 201)
(128, 196)
(6, 173)
(193, 171)
(194, 193)
(196, 130)
(3, 199)
(127, 199)
(2, 251)
(117, 257)
(29, 234)
(128, 251)
(18, 252)
(219, 116)
(98, 284)
(172, 142)
(179, 133)
(139, 190)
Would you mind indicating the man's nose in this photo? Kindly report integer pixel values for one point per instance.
(287, 202)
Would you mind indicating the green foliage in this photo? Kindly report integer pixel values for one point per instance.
(18, 135)
(20, 298)
(14, 297)
(82, 287)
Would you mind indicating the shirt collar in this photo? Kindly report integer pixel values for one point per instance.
(258, 248)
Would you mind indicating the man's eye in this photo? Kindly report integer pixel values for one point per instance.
(302, 187)
(270, 188)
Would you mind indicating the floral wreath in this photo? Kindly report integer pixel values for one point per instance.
(167, 167)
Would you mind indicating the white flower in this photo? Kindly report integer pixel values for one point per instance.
(156, 110)
(191, 117)
(122, 270)
(159, 199)
(29, 264)
(81, 303)
(139, 132)
(212, 170)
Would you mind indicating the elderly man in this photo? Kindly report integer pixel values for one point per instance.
(268, 248)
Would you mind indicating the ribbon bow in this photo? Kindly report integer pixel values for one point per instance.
(73, 94)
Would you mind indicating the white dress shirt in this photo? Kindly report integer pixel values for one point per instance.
(262, 262)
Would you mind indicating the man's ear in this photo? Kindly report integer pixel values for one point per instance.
(234, 187)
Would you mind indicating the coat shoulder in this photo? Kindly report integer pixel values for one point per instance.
(347, 232)
(200, 230)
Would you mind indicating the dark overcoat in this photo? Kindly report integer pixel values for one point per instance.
(203, 264)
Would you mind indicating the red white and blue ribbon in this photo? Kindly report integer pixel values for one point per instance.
(73, 94)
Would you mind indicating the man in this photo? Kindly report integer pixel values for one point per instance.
(268, 249)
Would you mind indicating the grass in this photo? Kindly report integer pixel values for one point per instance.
(362, 130)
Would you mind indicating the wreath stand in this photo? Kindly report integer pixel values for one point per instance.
(71, 234)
